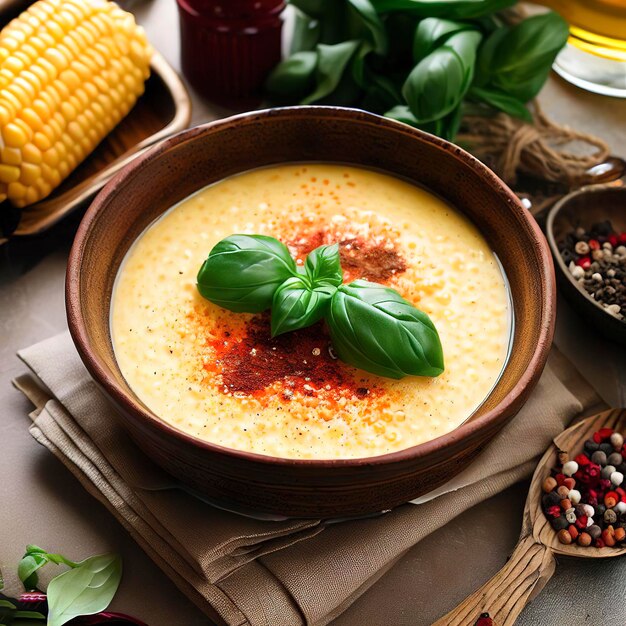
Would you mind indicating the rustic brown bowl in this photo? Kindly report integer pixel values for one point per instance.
(179, 166)
(583, 208)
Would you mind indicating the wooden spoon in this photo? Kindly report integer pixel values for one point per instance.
(532, 563)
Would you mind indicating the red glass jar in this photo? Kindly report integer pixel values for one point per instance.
(228, 47)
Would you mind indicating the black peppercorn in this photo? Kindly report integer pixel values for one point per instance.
(550, 499)
(559, 523)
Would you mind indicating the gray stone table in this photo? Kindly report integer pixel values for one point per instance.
(40, 502)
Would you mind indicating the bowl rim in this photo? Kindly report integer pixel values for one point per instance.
(98, 370)
(552, 216)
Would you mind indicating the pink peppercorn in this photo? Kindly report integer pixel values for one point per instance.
(594, 244)
(598, 543)
(554, 511)
(560, 479)
(581, 522)
(604, 434)
(613, 240)
(593, 473)
(605, 483)
(582, 460)
(622, 237)
(585, 263)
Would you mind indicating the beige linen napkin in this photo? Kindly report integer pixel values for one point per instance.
(244, 571)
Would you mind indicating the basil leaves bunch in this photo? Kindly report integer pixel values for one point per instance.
(85, 589)
(371, 326)
(422, 62)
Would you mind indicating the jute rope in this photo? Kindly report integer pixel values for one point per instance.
(544, 149)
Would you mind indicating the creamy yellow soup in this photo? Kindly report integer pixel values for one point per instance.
(220, 376)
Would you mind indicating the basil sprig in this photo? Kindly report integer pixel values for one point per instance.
(303, 300)
(85, 589)
(422, 62)
(371, 326)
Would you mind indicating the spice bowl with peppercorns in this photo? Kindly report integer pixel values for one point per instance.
(576, 507)
(586, 231)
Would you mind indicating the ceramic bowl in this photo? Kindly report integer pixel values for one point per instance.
(583, 208)
(187, 162)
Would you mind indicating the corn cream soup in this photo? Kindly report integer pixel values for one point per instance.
(220, 376)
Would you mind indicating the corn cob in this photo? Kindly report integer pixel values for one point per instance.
(70, 70)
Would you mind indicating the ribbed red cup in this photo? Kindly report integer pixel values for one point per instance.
(228, 47)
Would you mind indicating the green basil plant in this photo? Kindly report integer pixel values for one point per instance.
(422, 62)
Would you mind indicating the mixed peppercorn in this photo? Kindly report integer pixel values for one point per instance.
(597, 259)
(583, 498)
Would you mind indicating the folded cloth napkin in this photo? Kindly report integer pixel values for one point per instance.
(245, 571)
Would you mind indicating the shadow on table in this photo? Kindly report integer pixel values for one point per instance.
(20, 254)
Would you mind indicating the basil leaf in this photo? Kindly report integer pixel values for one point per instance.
(432, 32)
(402, 113)
(501, 101)
(84, 590)
(293, 78)
(437, 84)
(517, 60)
(297, 305)
(306, 32)
(453, 9)
(375, 31)
(242, 272)
(27, 569)
(331, 63)
(375, 329)
(323, 266)
(446, 127)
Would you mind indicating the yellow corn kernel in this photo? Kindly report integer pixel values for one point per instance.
(26, 87)
(10, 43)
(35, 77)
(68, 111)
(5, 115)
(43, 187)
(13, 65)
(29, 51)
(70, 78)
(75, 131)
(10, 102)
(51, 157)
(57, 59)
(9, 173)
(49, 68)
(42, 142)
(32, 195)
(32, 119)
(11, 156)
(51, 175)
(38, 43)
(55, 30)
(30, 174)
(17, 190)
(32, 154)
(24, 127)
(20, 95)
(13, 135)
